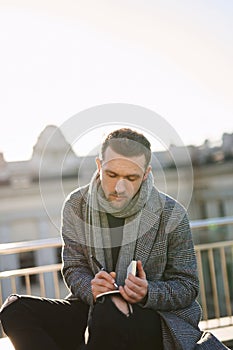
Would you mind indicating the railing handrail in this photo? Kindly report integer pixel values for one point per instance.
(220, 221)
(24, 246)
(30, 270)
(220, 244)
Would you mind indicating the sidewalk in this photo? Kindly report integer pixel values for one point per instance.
(5, 344)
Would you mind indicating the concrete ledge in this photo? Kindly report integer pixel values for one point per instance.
(224, 334)
(5, 344)
(222, 328)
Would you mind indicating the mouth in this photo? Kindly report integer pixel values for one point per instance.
(118, 198)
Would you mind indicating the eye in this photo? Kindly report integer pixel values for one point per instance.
(131, 178)
(112, 175)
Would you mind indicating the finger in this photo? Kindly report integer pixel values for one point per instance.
(130, 292)
(100, 288)
(102, 282)
(130, 283)
(125, 295)
(135, 291)
(113, 274)
(105, 275)
(136, 282)
(140, 271)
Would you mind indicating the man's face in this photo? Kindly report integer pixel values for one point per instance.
(121, 177)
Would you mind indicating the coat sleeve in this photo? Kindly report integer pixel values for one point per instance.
(178, 285)
(75, 268)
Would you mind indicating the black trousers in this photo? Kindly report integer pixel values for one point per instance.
(109, 328)
(34, 323)
(51, 324)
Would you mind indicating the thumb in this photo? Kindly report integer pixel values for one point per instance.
(113, 274)
(141, 273)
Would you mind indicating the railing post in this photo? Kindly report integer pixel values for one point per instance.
(7, 262)
(46, 257)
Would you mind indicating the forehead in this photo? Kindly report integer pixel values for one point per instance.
(113, 159)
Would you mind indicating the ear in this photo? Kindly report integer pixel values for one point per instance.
(146, 173)
(98, 164)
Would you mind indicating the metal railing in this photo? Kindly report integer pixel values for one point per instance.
(216, 289)
(26, 274)
(215, 268)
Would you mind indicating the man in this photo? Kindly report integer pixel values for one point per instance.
(119, 217)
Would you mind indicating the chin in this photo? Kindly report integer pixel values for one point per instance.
(119, 205)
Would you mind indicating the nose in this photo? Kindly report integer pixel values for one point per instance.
(120, 186)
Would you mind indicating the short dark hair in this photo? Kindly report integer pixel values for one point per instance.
(128, 142)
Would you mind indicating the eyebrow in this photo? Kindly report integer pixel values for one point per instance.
(128, 175)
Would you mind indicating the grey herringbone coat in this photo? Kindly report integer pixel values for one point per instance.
(167, 254)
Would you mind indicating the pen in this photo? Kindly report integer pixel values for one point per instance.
(98, 264)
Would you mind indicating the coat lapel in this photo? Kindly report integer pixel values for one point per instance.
(149, 227)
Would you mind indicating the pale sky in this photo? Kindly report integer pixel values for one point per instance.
(59, 58)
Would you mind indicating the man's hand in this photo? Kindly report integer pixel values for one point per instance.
(102, 282)
(136, 287)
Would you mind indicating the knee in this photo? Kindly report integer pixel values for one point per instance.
(8, 312)
(106, 314)
(8, 301)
